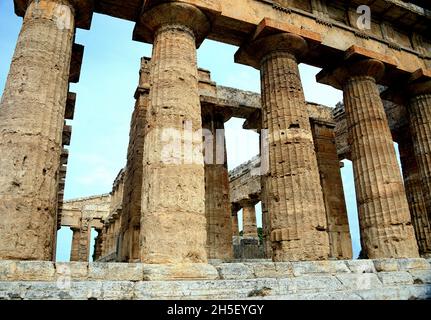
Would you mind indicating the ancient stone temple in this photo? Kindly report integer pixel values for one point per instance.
(169, 228)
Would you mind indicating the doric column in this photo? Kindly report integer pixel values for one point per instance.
(104, 240)
(84, 240)
(414, 192)
(384, 216)
(235, 226)
(109, 238)
(292, 185)
(420, 127)
(173, 224)
(132, 200)
(31, 123)
(249, 224)
(217, 197)
(74, 252)
(340, 242)
(98, 246)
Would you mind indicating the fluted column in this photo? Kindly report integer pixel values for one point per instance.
(414, 192)
(420, 126)
(217, 197)
(384, 216)
(132, 200)
(340, 242)
(31, 124)
(249, 224)
(98, 246)
(74, 252)
(173, 224)
(292, 186)
(84, 241)
(104, 240)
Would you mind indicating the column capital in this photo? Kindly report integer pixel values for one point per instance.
(172, 15)
(275, 36)
(357, 62)
(255, 51)
(235, 208)
(83, 9)
(248, 203)
(420, 82)
(417, 83)
(211, 113)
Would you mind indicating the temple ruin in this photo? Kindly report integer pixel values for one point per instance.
(172, 214)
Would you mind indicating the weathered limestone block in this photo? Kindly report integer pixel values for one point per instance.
(173, 224)
(413, 264)
(31, 124)
(386, 265)
(217, 197)
(314, 284)
(116, 271)
(292, 185)
(384, 216)
(421, 276)
(395, 278)
(180, 272)
(26, 270)
(229, 271)
(361, 266)
(271, 269)
(71, 270)
(310, 267)
(333, 194)
(415, 192)
(359, 281)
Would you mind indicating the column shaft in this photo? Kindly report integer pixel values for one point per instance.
(132, 201)
(340, 242)
(74, 252)
(384, 216)
(414, 192)
(84, 241)
(420, 126)
(31, 124)
(293, 192)
(173, 224)
(249, 221)
(217, 198)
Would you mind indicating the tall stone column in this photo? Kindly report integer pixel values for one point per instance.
(173, 224)
(292, 186)
(103, 253)
(340, 242)
(384, 216)
(217, 197)
(98, 246)
(31, 123)
(249, 224)
(74, 252)
(414, 192)
(420, 126)
(84, 241)
(132, 200)
(235, 226)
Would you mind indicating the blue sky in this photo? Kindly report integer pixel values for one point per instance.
(105, 102)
